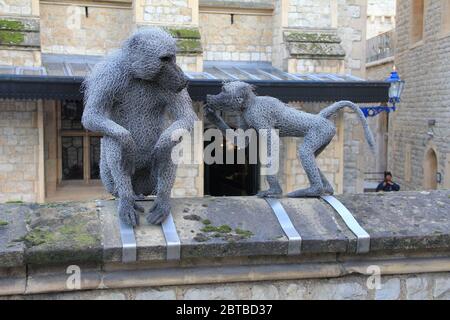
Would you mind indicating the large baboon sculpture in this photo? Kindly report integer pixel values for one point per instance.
(269, 113)
(127, 97)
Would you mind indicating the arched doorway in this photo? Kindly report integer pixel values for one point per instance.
(430, 169)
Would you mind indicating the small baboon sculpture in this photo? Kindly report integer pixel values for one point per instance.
(269, 113)
(127, 97)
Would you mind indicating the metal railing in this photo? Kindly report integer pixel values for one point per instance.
(380, 47)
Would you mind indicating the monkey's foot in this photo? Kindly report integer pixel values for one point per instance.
(269, 194)
(128, 211)
(159, 212)
(308, 192)
(328, 190)
(139, 197)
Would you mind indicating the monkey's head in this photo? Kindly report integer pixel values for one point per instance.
(151, 53)
(233, 97)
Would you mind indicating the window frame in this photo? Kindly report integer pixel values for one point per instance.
(86, 135)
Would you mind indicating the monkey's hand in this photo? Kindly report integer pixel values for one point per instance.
(128, 211)
(159, 212)
(162, 150)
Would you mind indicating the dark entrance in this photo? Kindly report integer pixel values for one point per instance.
(231, 179)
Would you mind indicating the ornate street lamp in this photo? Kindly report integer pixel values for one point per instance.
(396, 88)
(395, 92)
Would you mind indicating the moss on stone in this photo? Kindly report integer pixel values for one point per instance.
(206, 222)
(79, 234)
(184, 33)
(3, 223)
(14, 201)
(11, 37)
(312, 37)
(37, 237)
(11, 25)
(245, 233)
(221, 229)
(189, 45)
(74, 234)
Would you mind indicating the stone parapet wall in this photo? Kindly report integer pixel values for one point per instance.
(420, 286)
(62, 250)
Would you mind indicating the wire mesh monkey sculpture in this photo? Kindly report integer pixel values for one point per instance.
(260, 112)
(126, 99)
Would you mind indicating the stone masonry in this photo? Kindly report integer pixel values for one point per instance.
(18, 151)
(70, 29)
(431, 286)
(19, 33)
(421, 124)
(248, 38)
(380, 16)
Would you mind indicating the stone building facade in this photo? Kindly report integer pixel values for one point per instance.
(296, 36)
(419, 144)
(380, 17)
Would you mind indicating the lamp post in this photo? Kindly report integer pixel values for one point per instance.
(395, 92)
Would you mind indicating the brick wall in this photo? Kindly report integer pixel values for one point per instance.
(18, 151)
(425, 68)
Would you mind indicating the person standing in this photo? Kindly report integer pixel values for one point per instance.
(387, 185)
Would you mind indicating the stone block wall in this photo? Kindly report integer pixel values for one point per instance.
(380, 71)
(351, 22)
(19, 151)
(67, 29)
(169, 12)
(189, 178)
(425, 68)
(17, 7)
(336, 31)
(19, 33)
(380, 17)
(248, 38)
(428, 286)
(310, 14)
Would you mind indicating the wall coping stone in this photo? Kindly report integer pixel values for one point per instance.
(223, 228)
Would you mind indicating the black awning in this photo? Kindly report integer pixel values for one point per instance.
(68, 88)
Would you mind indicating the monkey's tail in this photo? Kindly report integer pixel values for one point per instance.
(336, 107)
